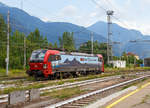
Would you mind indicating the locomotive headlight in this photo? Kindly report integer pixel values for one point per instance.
(44, 66)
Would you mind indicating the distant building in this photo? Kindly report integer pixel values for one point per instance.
(118, 64)
(131, 54)
(147, 62)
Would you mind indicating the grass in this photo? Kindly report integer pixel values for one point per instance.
(2, 72)
(12, 73)
(17, 73)
(18, 87)
(135, 83)
(64, 93)
(127, 86)
(145, 98)
(16, 82)
(22, 73)
(29, 78)
(126, 69)
(19, 84)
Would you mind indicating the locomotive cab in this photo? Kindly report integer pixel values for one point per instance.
(42, 61)
(36, 63)
(100, 57)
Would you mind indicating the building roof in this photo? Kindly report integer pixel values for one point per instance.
(130, 53)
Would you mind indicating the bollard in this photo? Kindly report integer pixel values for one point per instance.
(34, 94)
(16, 97)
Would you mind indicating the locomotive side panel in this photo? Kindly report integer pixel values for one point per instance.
(49, 63)
(76, 63)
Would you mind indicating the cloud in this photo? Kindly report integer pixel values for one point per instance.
(45, 19)
(69, 10)
(146, 1)
(131, 13)
(74, 15)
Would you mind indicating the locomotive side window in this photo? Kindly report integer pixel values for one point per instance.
(54, 58)
(51, 58)
(100, 59)
(58, 57)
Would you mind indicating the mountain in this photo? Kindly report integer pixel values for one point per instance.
(125, 37)
(22, 21)
(119, 33)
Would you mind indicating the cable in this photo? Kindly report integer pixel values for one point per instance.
(114, 17)
(124, 24)
(99, 5)
(108, 1)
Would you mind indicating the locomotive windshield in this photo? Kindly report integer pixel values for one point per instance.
(54, 58)
(38, 56)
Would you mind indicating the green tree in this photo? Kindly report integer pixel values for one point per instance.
(98, 48)
(55, 45)
(33, 41)
(67, 41)
(16, 50)
(3, 42)
(50, 45)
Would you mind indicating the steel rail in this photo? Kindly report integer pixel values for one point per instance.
(81, 83)
(95, 92)
(4, 98)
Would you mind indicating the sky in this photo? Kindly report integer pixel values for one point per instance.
(132, 14)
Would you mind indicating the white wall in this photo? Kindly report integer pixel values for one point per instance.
(119, 64)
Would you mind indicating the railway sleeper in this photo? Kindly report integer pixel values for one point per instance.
(76, 105)
(69, 106)
(84, 102)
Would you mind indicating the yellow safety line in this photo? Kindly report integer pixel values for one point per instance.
(124, 97)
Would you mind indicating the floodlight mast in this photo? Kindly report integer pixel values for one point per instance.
(109, 43)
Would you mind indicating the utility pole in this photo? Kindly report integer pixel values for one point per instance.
(109, 43)
(63, 44)
(24, 42)
(7, 59)
(143, 63)
(24, 52)
(119, 47)
(91, 42)
(134, 61)
(143, 58)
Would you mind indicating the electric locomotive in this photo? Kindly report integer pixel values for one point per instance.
(53, 63)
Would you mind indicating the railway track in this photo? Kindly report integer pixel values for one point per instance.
(86, 82)
(5, 80)
(4, 98)
(83, 100)
(11, 78)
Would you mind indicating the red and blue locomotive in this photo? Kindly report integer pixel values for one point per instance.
(53, 63)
